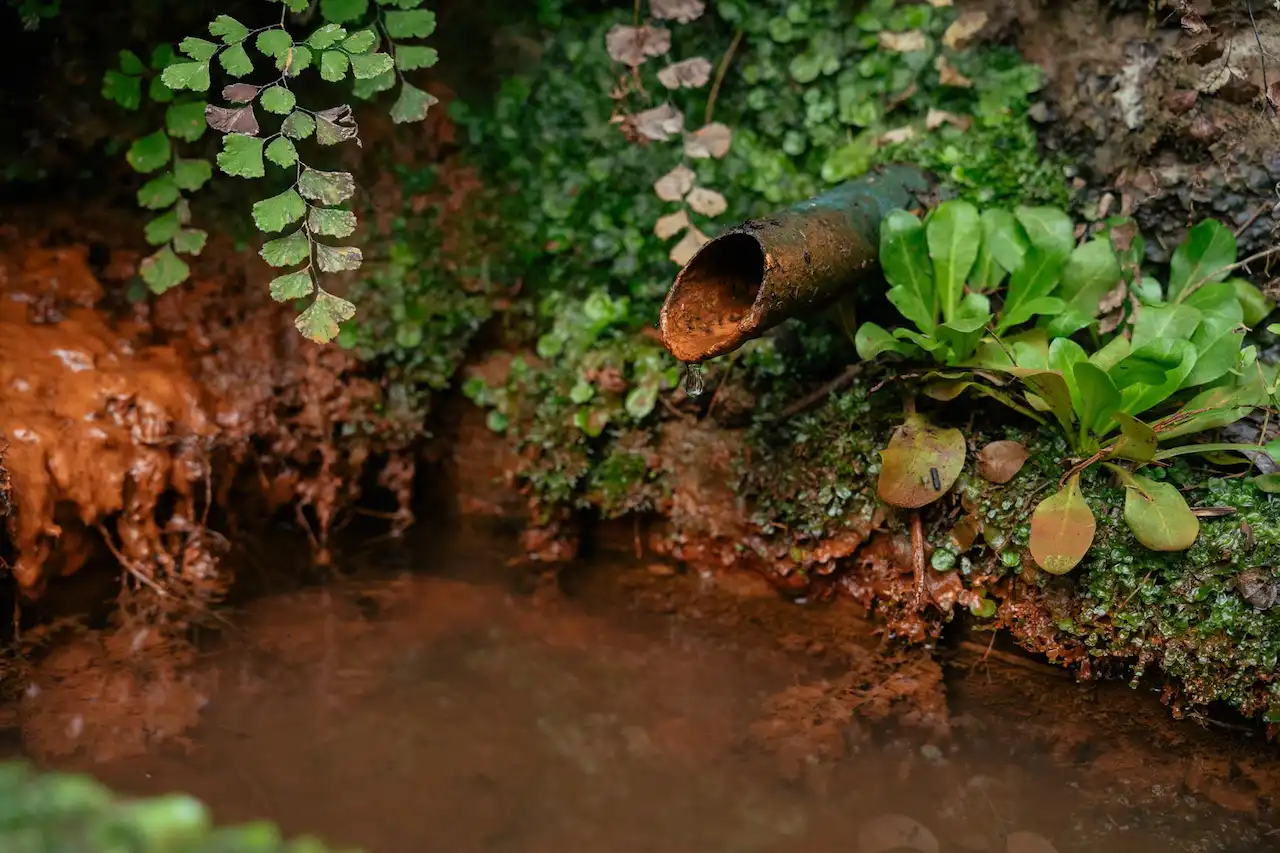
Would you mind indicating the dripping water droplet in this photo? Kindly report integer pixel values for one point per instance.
(693, 384)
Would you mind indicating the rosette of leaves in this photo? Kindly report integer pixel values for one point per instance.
(159, 154)
(311, 203)
(1157, 363)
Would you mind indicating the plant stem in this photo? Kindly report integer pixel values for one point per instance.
(720, 72)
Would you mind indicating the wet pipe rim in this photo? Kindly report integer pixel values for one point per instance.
(836, 234)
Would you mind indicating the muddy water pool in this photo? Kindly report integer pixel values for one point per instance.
(436, 701)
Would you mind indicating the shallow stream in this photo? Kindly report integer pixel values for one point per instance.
(435, 700)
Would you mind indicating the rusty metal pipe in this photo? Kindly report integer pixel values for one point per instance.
(795, 262)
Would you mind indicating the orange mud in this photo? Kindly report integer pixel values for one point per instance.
(127, 430)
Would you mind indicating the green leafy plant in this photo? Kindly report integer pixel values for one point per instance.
(1163, 362)
(313, 202)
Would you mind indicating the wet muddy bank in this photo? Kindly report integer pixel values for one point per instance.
(438, 700)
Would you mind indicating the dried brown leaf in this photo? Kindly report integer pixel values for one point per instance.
(670, 225)
(949, 76)
(227, 120)
(706, 202)
(898, 134)
(907, 42)
(999, 461)
(712, 140)
(658, 124)
(963, 29)
(689, 74)
(682, 11)
(693, 240)
(633, 45)
(1273, 94)
(239, 93)
(940, 4)
(936, 118)
(675, 185)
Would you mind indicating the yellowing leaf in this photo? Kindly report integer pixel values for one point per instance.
(964, 28)
(674, 185)
(920, 464)
(320, 321)
(706, 202)
(1158, 515)
(670, 225)
(999, 461)
(1137, 441)
(1062, 529)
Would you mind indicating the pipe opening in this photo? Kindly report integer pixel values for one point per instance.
(711, 297)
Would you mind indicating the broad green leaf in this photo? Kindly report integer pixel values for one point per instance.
(161, 229)
(190, 241)
(331, 222)
(201, 50)
(361, 41)
(241, 156)
(163, 270)
(278, 212)
(1091, 272)
(278, 100)
(961, 335)
(1137, 441)
(1220, 337)
(921, 463)
(872, 340)
(1004, 238)
(1062, 530)
(1064, 355)
(160, 191)
(1048, 229)
(162, 56)
(412, 104)
(320, 321)
(328, 188)
(187, 75)
(1158, 515)
(1177, 358)
(287, 251)
(1256, 306)
(186, 121)
(1149, 291)
(929, 344)
(1174, 322)
(158, 91)
(149, 153)
(904, 255)
(369, 65)
(1202, 257)
(1051, 388)
(333, 65)
(411, 57)
(123, 89)
(275, 43)
(235, 61)
(338, 258)
(1097, 400)
(298, 125)
(228, 29)
(418, 23)
(954, 234)
(1112, 353)
(1031, 283)
(291, 286)
(366, 89)
(1269, 483)
(343, 11)
(282, 152)
(326, 36)
(401, 4)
